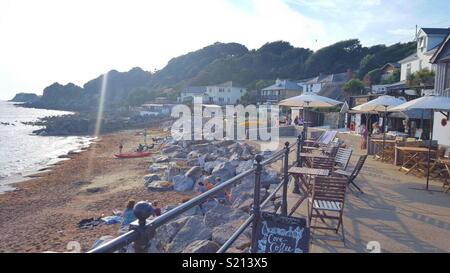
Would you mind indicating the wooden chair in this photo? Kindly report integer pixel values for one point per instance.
(342, 158)
(323, 163)
(351, 175)
(327, 203)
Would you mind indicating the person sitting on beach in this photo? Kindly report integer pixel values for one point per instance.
(140, 148)
(156, 209)
(128, 214)
(120, 147)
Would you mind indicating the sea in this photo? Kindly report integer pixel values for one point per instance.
(23, 153)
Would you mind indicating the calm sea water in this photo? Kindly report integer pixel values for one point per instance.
(21, 152)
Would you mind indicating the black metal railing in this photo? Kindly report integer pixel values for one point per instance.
(144, 229)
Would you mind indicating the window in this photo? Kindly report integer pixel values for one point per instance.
(447, 76)
(408, 69)
(242, 91)
(229, 90)
(221, 99)
(228, 100)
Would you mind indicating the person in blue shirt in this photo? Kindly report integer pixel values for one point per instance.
(128, 214)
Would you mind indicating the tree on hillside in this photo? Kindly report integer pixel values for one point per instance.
(138, 96)
(354, 87)
(335, 58)
(367, 64)
(374, 76)
(421, 77)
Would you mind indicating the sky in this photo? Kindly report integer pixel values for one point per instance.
(47, 41)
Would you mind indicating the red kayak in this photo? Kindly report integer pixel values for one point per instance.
(133, 155)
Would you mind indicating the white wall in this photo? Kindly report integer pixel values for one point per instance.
(230, 95)
(441, 133)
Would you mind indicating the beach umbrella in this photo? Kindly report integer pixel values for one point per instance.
(309, 101)
(432, 103)
(380, 104)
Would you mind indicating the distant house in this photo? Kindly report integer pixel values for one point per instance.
(224, 93)
(220, 94)
(316, 84)
(428, 41)
(189, 93)
(282, 89)
(155, 109)
(441, 59)
(388, 69)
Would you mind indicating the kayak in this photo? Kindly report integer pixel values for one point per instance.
(133, 155)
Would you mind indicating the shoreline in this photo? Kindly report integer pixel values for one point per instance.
(9, 183)
(43, 213)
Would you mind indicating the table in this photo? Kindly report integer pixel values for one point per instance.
(388, 149)
(309, 156)
(414, 157)
(300, 178)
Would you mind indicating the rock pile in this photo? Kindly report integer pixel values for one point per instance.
(181, 166)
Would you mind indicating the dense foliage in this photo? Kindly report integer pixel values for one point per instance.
(421, 77)
(220, 62)
(354, 87)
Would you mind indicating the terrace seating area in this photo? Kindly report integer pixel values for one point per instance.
(379, 206)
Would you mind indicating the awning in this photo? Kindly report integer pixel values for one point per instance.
(412, 114)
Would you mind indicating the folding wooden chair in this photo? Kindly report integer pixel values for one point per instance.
(351, 176)
(342, 158)
(323, 163)
(327, 203)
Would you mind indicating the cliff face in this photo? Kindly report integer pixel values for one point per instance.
(25, 97)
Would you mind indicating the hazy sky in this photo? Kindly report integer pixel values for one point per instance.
(48, 41)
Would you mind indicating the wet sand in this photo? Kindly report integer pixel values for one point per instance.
(43, 213)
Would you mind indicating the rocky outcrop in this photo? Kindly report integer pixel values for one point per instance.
(200, 246)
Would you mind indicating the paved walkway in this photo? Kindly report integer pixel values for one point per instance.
(391, 212)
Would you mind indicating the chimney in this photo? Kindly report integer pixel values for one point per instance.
(349, 74)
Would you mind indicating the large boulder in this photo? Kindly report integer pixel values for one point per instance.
(244, 166)
(160, 185)
(182, 183)
(161, 159)
(222, 233)
(202, 246)
(195, 173)
(166, 233)
(224, 170)
(149, 178)
(269, 177)
(156, 167)
(171, 172)
(193, 230)
(171, 149)
(221, 214)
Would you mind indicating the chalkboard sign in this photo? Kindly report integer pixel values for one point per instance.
(281, 234)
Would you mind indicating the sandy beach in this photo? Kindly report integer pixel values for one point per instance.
(43, 213)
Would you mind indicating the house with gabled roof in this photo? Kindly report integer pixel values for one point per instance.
(428, 41)
(441, 61)
(280, 90)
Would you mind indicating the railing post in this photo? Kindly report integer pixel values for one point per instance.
(256, 200)
(300, 142)
(142, 210)
(286, 179)
(299, 149)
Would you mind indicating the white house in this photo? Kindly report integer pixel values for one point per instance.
(428, 40)
(441, 60)
(221, 94)
(225, 93)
